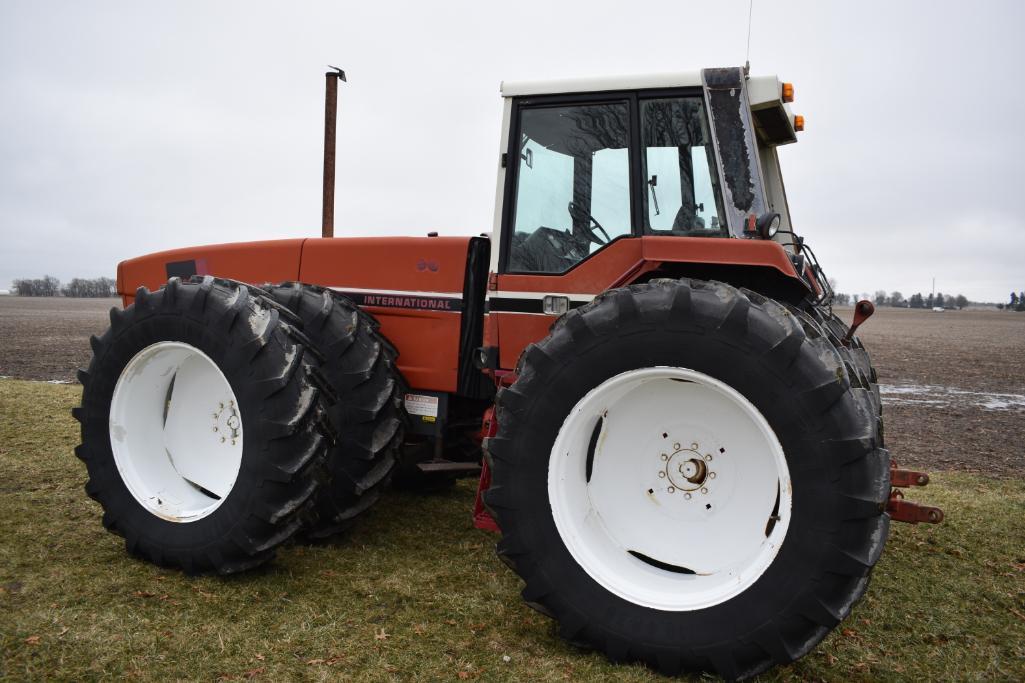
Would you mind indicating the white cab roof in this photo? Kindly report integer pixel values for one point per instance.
(764, 90)
(681, 79)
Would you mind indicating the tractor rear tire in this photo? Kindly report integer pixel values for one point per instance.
(687, 474)
(853, 353)
(204, 426)
(359, 365)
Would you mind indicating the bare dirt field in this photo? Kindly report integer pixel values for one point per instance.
(953, 382)
(48, 338)
(953, 387)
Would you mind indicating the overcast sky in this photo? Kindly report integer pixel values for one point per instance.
(129, 127)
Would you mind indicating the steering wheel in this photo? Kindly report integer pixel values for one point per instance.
(575, 211)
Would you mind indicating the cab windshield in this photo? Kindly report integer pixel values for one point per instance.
(682, 195)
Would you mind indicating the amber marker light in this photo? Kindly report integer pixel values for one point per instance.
(788, 92)
(798, 123)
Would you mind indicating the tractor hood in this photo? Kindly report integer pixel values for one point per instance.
(411, 264)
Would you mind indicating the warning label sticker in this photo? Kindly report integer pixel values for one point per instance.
(419, 404)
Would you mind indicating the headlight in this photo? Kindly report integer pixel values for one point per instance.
(768, 225)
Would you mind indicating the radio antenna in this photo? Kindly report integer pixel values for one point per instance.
(747, 57)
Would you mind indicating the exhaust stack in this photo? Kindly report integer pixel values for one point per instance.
(327, 223)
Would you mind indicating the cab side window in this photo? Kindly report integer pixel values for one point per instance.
(572, 193)
(682, 196)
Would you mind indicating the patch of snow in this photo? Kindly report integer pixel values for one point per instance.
(935, 395)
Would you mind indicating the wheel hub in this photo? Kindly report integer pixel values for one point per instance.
(227, 423)
(686, 469)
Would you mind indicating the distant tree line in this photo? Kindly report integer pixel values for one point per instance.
(896, 299)
(1017, 302)
(98, 287)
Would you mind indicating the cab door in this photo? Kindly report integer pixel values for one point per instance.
(567, 199)
(587, 176)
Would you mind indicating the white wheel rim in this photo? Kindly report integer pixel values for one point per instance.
(176, 431)
(698, 499)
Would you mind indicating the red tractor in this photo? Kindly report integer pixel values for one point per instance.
(681, 445)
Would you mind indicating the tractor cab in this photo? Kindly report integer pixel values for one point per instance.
(587, 163)
(616, 181)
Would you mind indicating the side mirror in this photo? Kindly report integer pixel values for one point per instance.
(528, 156)
(768, 225)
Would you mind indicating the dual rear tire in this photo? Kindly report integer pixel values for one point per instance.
(359, 365)
(219, 420)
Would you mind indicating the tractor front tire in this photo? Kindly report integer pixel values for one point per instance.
(688, 474)
(359, 365)
(204, 426)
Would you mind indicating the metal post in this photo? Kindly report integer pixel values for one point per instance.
(327, 227)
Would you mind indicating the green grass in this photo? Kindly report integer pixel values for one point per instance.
(416, 593)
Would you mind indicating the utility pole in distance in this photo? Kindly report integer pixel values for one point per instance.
(327, 222)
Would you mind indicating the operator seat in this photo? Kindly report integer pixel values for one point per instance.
(687, 219)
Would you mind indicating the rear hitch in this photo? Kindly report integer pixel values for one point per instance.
(902, 510)
(862, 311)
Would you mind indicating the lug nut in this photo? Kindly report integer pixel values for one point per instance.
(662, 475)
(215, 428)
(687, 496)
(711, 475)
(672, 489)
(676, 446)
(694, 446)
(704, 490)
(708, 457)
(665, 457)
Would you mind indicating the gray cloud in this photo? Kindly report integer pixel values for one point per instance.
(131, 127)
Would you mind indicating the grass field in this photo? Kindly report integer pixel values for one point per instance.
(416, 593)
